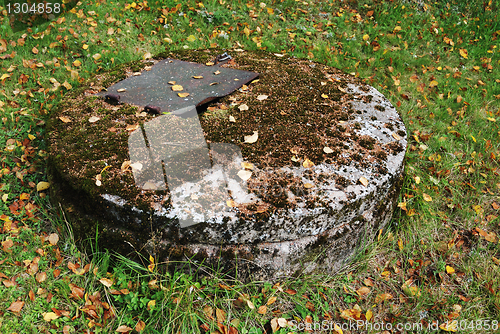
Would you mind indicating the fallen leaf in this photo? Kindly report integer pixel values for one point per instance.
(177, 88)
(67, 85)
(97, 56)
(183, 94)
(363, 181)
(232, 119)
(16, 306)
(381, 297)
(324, 96)
(243, 107)
(132, 127)
(49, 316)
(308, 185)
(262, 309)
(244, 174)
(65, 119)
(77, 63)
(449, 326)
(42, 185)
(121, 90)
(450, 270)
(271, 300)
(363, 291)
(307, 163)
(197, 76)
(94, 119)
(396, 136)
(427, 198)
(327, 150)
(464, 53)
(106, 282)
(191, 38)
(140, 326)
(262, 97)
(123, 329)
(247, 165)
(253, 138)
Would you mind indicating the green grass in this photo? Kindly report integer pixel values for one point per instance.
(437, 62)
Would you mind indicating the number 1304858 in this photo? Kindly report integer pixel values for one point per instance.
(33, 8)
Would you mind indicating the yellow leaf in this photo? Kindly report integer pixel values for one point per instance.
(183, 94)
(433, 83)
(427, 198)
(41, 186)
(67, 85)
(308, 185)
(417, 179)
(151, 304)
(77, 63)
(324, 96)
(151, 265)
(397, 29)
(246, 31)
(450, 270)
(449, 326)
(97, 56)
(307, 163)
(491, 119)
(85, 46)
(197, 76)
(4, 76)
(147, 55)
(369, 315)
(49, 316)
(474, 139)
(366, 37)
(191, 38)
(177, 88)
(363, 181)
(247, 165)
(464, 53)
(400, 244)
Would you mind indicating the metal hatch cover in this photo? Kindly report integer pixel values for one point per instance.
(195, 84)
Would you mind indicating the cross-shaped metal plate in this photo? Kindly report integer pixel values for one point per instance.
(173, 84)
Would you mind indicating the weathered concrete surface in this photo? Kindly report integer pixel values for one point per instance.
(292, 215)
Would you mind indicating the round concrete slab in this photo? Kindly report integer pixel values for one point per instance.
(286, 175)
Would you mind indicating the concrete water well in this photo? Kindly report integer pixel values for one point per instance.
(286, 175)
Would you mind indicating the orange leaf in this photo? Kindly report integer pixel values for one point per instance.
(16, 306)
(140, 326)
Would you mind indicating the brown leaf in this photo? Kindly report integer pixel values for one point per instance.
(381, 297)
(31, 295)
(76, 291)
(16, 306)
(363, 291)
(40, 277)
(7, 244)
(65, 119)
(262, 309)
(291, 291)
(271, 300)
